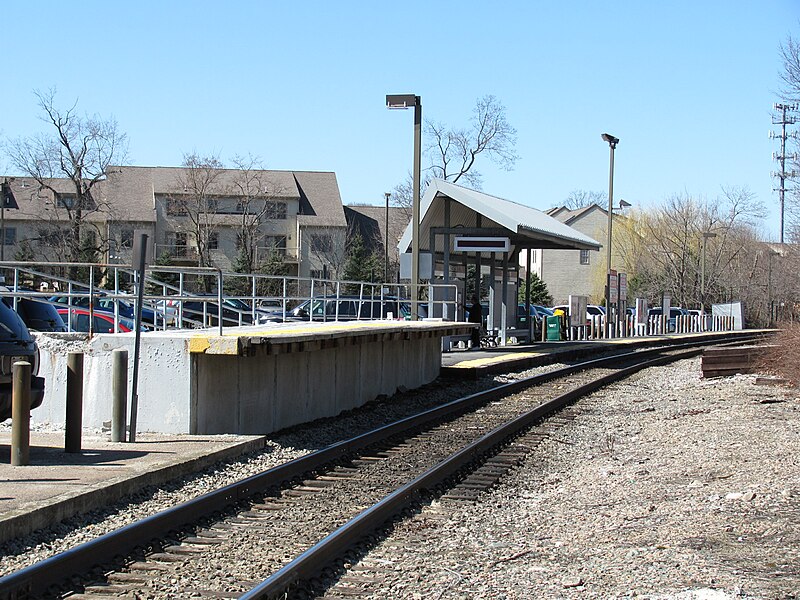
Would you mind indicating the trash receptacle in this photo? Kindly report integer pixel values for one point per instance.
(553, 329)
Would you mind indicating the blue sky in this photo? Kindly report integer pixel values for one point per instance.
(687, 86)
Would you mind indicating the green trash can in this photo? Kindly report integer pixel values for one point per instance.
(553, 329)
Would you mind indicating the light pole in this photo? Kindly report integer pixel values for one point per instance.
(407, 101)
(612, 144)
(706, 236)
(386, 243)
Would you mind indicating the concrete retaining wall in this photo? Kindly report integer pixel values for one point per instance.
(244, 385)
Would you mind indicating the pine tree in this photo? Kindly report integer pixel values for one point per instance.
(361, 265)
(539, 291)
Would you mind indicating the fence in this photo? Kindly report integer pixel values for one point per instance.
(627, 326)
(189, 297)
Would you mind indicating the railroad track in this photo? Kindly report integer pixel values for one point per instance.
(276, 531)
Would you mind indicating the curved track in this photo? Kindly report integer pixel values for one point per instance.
(457, 447)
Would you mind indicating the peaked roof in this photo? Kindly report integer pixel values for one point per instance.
(569, 216)
(527, 226)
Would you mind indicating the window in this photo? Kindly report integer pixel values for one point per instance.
(584, 257)
(213, 240)
(275, 210)
(176, 207)
(10, 236)
(321, 243)
(179, 244)
(126, 238)
(66, 200)
(209, 204)
(275, 243)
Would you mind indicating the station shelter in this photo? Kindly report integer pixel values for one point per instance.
(461, 227)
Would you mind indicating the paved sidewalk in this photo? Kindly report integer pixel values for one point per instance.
(56, 485)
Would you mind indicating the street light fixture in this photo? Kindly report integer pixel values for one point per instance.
(407, 101)
(612, 144)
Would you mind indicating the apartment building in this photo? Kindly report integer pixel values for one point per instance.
(192, 216)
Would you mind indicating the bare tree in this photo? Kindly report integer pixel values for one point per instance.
(196, 192)
(328, 246)
(452, 153)
(670, 259)
(790, 92)
(256, 196)
(79, 149)
(583, 198)
(790, 70)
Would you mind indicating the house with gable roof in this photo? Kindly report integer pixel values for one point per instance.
(577, 272)
(297, 215)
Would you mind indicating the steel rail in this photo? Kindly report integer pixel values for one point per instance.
(316, 558)
(36, 579)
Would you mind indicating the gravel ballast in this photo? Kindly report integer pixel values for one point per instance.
(665, 486)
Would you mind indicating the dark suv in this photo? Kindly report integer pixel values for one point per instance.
(16, 344)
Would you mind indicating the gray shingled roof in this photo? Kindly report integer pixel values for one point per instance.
(131, 191)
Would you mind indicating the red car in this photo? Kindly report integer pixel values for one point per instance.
(103, 322)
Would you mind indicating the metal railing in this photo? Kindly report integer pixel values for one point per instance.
(191, 297)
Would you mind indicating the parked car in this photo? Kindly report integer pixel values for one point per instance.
(17, 344)
(538, 312)
(592, 311)
(102, 321)
(202, 310)
(126, 309)
(39, 315)
(349, 308)
(674, 313)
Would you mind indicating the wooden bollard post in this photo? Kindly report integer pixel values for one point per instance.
(21, 414)
(119, 393)
(74, 416)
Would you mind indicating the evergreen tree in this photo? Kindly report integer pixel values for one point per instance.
(539, 292)
(361, 265)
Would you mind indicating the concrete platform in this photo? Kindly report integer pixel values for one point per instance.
(485, 361)
(248, 380)
(56, 485)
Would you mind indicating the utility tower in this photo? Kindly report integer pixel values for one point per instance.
(783, 119)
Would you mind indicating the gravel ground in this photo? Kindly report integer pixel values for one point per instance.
(283, 446)
(666, 486)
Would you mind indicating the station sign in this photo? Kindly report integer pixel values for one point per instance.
(613, 290)
(623, 287)
(481, 244)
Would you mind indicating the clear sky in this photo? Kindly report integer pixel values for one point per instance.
(687, 85)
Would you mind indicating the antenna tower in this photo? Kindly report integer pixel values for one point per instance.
(783, 119)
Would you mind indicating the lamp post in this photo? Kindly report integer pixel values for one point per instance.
(407, 101)
(386, 243)
(706, 236)
(612, 144)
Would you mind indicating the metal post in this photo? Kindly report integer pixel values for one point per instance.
(119, 393)
(415, 208)
(74, 416)
(141, 254)
(531, 328)
(21, 414)
(386, 244)
(612, 144)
